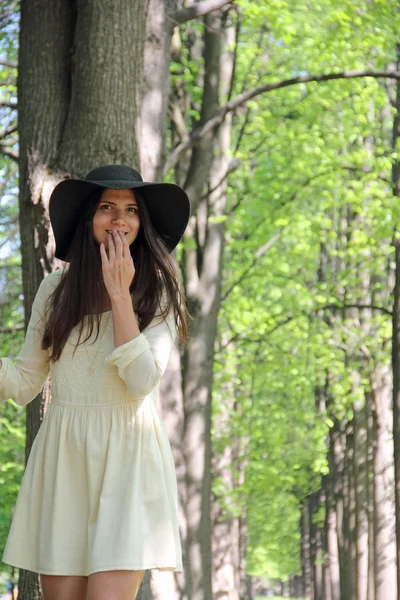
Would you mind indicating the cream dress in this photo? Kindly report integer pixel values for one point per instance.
(99, 491)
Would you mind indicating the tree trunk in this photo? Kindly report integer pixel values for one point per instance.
(371, 440)
(396, 329)
(396, 395)
(306, 567)
(384, 526)
(156, 83)
(360, 465)
(203, 271)
(316, 551)
(333, 571)
(225, 542)
(340, 479)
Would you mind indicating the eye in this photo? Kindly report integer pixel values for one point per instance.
(133, 208)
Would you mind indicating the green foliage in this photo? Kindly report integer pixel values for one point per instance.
(310, 220)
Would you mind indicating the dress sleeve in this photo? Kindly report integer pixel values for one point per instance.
(141, 363)
(23, 379)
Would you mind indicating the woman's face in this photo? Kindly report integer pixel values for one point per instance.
(117, 209)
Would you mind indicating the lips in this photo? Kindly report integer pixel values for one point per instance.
(111, 230)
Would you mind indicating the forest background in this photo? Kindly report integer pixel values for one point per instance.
(280, 119)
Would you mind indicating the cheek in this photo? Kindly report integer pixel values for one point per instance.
(100, 221)
(99, 218)
(97, 227)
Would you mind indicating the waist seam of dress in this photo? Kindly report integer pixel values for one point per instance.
(133, 402)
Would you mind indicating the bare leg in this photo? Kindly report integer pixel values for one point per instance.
(63, 587)
(114, 585)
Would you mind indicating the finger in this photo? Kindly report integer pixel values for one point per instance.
(125, 246)
(103, 254)
(118, 245)
(111, 247)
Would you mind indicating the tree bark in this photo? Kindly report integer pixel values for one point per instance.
(315, 546)
(396, 329)
(371, 440)
(360, 462)
(225, 539)
(306, 566)
(384, 527)
(333, 571)
(338, 445)
(203, 270)
(156, 83)
(106, 86)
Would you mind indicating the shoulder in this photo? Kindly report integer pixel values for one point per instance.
(45, 290)
(51, 281)
(49, 284)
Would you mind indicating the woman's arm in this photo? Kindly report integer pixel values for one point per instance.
(124, 320)
(141, 362)
(23, 379)
(140, 358)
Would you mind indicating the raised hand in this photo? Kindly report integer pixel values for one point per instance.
(118, 267)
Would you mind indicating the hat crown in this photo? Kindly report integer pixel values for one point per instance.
(114, 173)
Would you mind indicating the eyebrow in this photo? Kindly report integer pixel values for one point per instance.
(111, 202)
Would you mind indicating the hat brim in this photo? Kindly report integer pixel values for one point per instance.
(167, 204)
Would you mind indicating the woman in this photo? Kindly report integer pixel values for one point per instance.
(98, 500)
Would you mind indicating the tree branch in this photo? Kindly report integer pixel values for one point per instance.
(234, 164)
(8, 81)
(340, 307)
(9, 153)
(12, 329)
(262, 250)
(197, 10)
(245, 97)
(242, 338)
(7, 104)
(8, 131)
(12, 64)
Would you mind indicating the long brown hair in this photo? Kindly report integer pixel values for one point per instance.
(81, 293)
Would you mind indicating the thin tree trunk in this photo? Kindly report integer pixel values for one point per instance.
(151, 142)
(351, 492)
(224, 541)
(338, 445)
(361, 498)
(333, 575)
(315, 546)
(384, 525)
(203, 282)
(396, 329)
(305, 552)
(371, 442)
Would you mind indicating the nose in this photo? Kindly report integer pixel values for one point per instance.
(118, 216)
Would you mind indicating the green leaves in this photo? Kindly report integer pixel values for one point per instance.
(314, 191)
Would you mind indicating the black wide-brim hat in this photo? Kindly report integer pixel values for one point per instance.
(167, 204)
